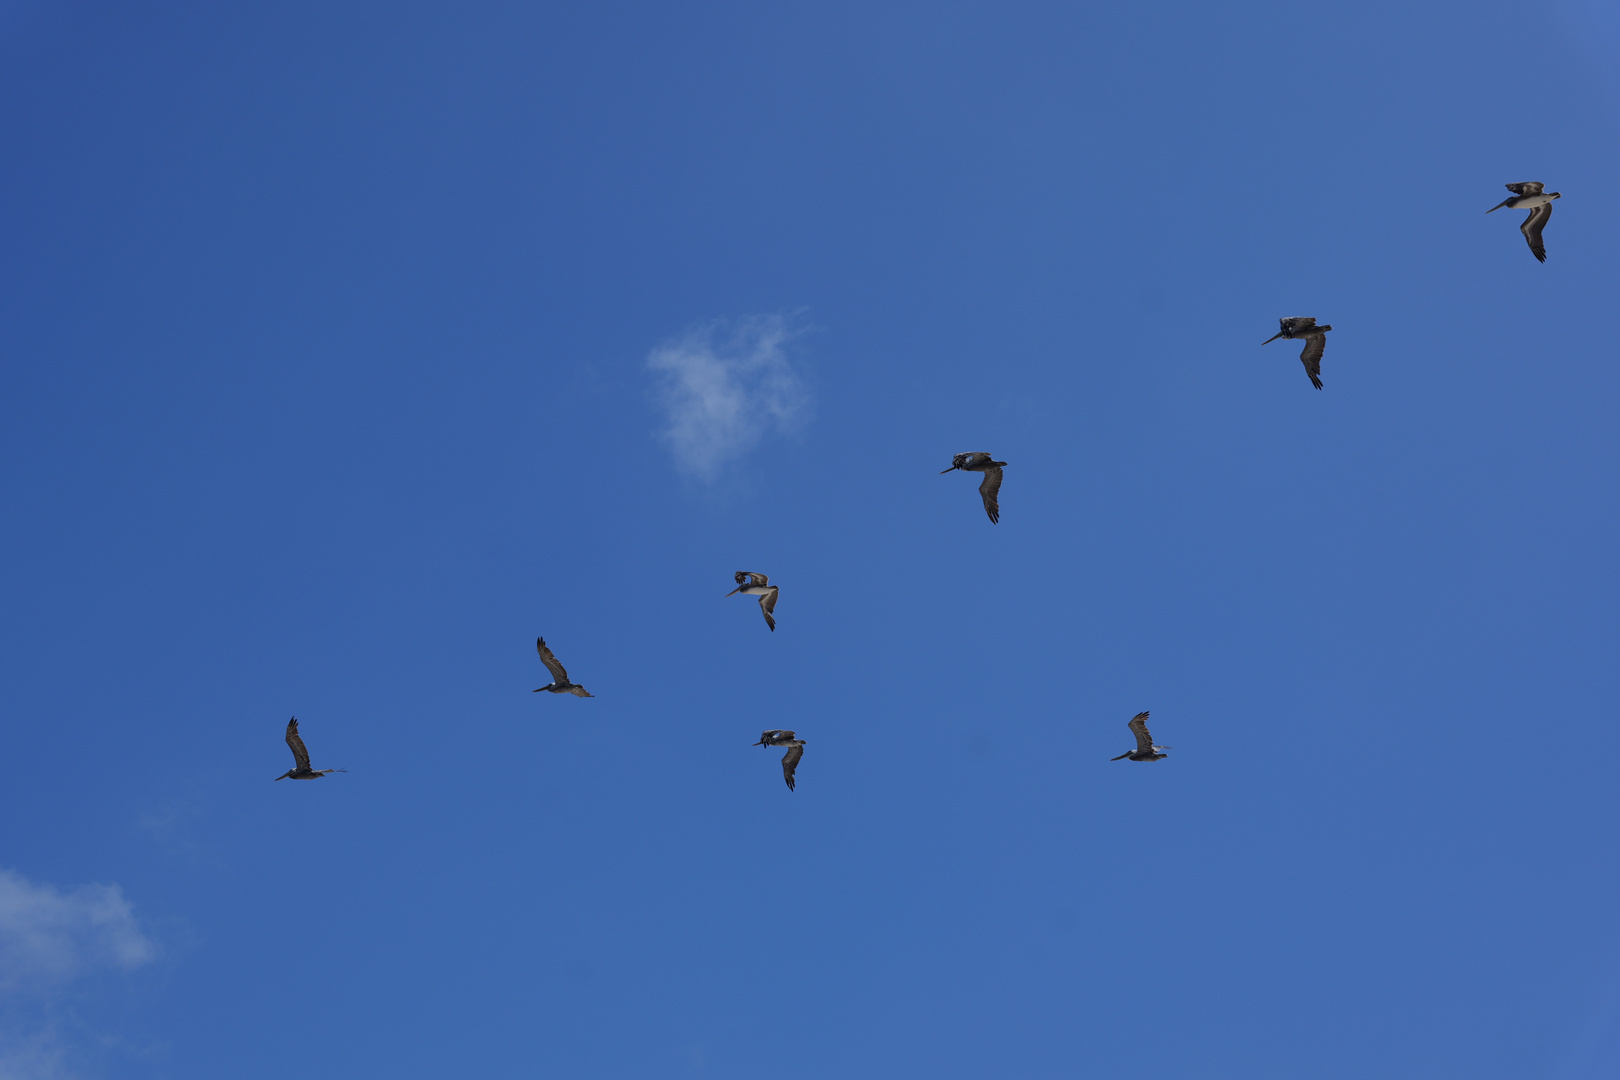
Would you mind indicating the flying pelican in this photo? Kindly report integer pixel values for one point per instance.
(1145, 750)
(560, 683)
(790, 760)
(1528, 195)
(979, 461)
(301, 757)
(1304, 326)
(752, 584)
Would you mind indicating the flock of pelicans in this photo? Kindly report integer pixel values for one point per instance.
(1527, 195)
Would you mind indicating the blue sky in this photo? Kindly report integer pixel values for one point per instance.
(331, 341)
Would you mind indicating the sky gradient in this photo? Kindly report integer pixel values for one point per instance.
(347, 347)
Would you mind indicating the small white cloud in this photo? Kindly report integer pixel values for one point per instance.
(48, 937)
(723, 386)
(36, 1056)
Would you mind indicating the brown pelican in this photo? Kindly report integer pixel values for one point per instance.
(979, 461)
(1145, 750)
(752, 584)
(1304, 326)
(1528, 195)
(301, 757)
(560, 683)
(790, 760)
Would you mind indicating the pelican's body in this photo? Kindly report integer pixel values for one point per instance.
(1528, 195)
(559, 674)
(990, 486)
(790, 760)
(1145, 748)
(752, 584)
(301, 769)
(1304, 328)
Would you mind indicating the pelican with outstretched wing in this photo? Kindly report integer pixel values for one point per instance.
(790, 760)
(302, 771)
(1145, 748)
(752, 584)
(1528, 195)
(1315, 337)
(990, 486)
(559, 676)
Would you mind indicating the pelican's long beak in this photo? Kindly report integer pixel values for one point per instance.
(942, 472)
(733, 592)
(283, 776)
(1498, 206)
(1272, 338)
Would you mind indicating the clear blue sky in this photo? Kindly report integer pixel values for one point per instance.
(325, 332)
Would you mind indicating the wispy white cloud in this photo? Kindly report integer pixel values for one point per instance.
(723, 386)
(48, 937)
(35, 1056)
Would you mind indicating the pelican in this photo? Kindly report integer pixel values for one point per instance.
(979, 461)
(1304, 326)
(1145, 749)
(790, 760)
(301, 757)
(1528, 195)
(752, 584)
(560, 683)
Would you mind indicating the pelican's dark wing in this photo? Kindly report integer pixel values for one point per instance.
(1312, 358)
(748, 577)
(771, 738)
(1138, 726)
(989, 487)
(300, 752)
(1528, 187)
(790, 761)
(1532, 230)
(551, 662)
(767, 604)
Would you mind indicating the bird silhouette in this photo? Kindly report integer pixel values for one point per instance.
(1315, 337)
(1145, 750)
(1528, 195)
(301, 769)
(990, 486)
(752, 584)
(559, 683)
(790, 760)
